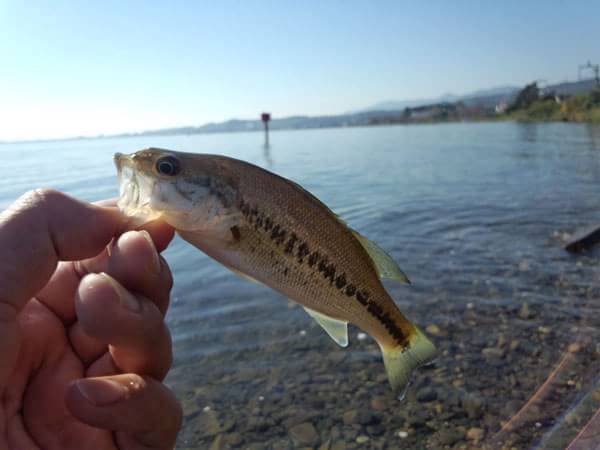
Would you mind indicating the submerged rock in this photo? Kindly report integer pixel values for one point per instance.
(524, 311)
(304, 434)
(475, 434)
(426, 394)
(584, 240)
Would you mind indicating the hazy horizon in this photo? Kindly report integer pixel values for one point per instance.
(86, 70)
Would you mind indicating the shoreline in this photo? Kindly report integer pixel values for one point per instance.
(431, 122)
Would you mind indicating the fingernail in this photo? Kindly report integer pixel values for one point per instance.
(125, 298)
(101, 392)
(154, 264)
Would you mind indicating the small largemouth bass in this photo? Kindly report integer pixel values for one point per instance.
(270, 229)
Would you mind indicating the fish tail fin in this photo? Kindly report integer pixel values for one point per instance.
(400, 362)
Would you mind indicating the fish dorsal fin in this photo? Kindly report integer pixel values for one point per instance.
(385, 265)
(336, 329)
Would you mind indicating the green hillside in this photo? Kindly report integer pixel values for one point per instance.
(529, 106)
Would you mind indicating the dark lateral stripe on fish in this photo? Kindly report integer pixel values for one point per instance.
(322, 264)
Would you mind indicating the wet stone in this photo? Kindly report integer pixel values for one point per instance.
(448, 436)
(349, 417)
(493, 355)
(524, 311)
(417, 419)
(426, 394)
(361, 417)
(304, 434)
(234, 439)
(472, 405)
(433, 329)
(280, 444)
(260, 424)
(378, 403)
(208, 423)
(339, 445)
(362, 439)
(475, 434)
(325, 445)
(254, 446)
(376, 430)
(218, 443)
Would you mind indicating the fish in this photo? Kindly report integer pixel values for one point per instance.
(269, 229)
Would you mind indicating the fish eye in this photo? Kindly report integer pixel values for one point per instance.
(168, 166)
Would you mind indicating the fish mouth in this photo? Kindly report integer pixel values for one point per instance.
(135, 191)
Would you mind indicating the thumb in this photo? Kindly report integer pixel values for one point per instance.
(38, 230)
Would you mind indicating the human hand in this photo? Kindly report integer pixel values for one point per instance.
(83, 344)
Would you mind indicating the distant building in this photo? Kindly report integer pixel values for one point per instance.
(501, 107)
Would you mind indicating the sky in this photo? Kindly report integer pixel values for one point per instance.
(88, 68)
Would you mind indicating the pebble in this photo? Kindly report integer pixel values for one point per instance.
(361, 417)
(474, 434)
(218, 443)
(234, 439)
(362, 439)
(325, 445)
(493, 354)
(417, 418)
(449, 436)
(473, 406)
(338, 445)
(426, 394)
(514, 344)
(304, 434)
(433, 329)
(574, 347)
(349, 417)
(378, 403)
(209, 424)
(524, 311)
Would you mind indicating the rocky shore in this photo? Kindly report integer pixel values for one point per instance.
(306, 393)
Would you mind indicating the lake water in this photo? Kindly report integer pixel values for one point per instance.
(475, 214)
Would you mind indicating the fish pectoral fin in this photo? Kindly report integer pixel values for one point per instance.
(385, 265)
(336, 329)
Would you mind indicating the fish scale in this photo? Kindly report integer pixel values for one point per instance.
(301, 213)
(270, 229)
(307, 285)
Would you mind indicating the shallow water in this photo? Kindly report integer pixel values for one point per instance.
(476, 215)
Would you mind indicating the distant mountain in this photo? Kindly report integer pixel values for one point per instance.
(570, 87)
(484, 97)
(475, 105)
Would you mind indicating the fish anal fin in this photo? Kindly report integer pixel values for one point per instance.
(384, 264)
(336, 329)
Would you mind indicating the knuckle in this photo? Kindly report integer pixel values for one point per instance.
(41, 196)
